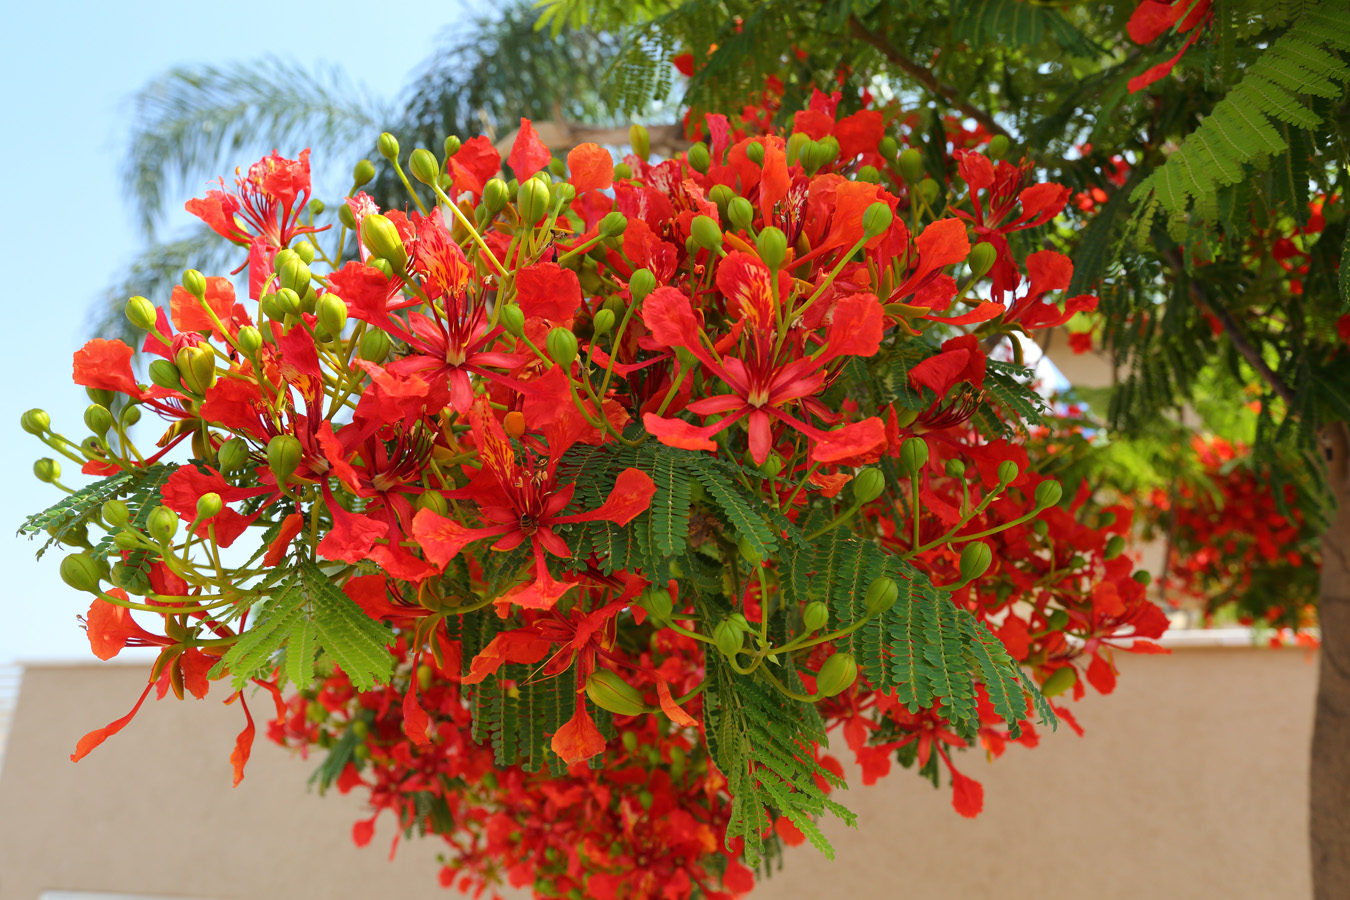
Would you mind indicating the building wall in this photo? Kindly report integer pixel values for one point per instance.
(1190, 783)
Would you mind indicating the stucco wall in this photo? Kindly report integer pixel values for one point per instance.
(1190, 783)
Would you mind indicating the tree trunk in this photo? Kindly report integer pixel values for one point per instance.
(1329, 820)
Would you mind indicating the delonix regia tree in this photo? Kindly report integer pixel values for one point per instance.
(1212, 135)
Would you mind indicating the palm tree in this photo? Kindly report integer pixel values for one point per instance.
(193, 123)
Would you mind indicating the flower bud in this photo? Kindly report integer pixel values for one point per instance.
(98, 420)
(332, 314)
(772, 246)
(100, 396)
(197, 368)
(755, 153)
(869, 174)
(561, 345)
(699, 158)
(975, 561)
(81, 571)
(346, 216)
(1007, 472)
(208, 505)
(93, 447)
(305, 250)
(316, 208)
(1039, 528)
(433, 500)
(388, 146)
(868, 485)
(613, 224)
(981, 259)
(1143, 576)
(424, 166)
(47, 470)
(928, 190)
(131, 414)
(284, 453)
(888, 147)
(659, 605)
(162, 524)
(876, 219)
(721, 194)
(740, 213)
(35, 421)
(141, 313)
(913, 455)
(513, 320)
(815, 616)
(911, 165)
(1114, 547)
(772, 465)
(1058, 621)
(706, 232)
(165, 374)
(836, 674)
(249, 339)
(1048, 493)
(116, 513)
(603, 322)
(955, 468)
(293, 274)
(375, 345)
(749, 552)
(610, 692)
(881, 595)
(127, 540)
(998, 147)
(795, 142)
(194, 283)
(495, 196)
(640, 141)
(363, 174)
(1060, 680)
(642, 283)
(382, 237)
(727, 637)
(232, 455)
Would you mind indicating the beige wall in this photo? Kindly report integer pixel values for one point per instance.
(1190, 783)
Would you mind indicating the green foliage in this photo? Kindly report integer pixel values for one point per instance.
(64, 521)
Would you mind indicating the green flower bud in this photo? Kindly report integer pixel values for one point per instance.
(928, 190)
(433, 500)
(981, 259)
(622, 172)
(288, 301)
(706, 232)
(869, 174)
(127, 540)
(284, 453)
(888, 147)
(363, 174)
(630, 741)
(332, 314)
(1007, 472)
(613, 224)
(659, 605)
(165, 374)
(513, 320)
(346, 216)
(721, 194)
(98, 419)
(495, 196)
(47, 470)
(194, 283)
(998, 147)
(316, 207)
(1039, 528)
(131, 414)
(741, 622)
(749, 552)
(642, 283)
(100, 396)
(755, 153)
(1048, 493)
(93, 447)
(561, 345)
(876, 219)
(375, 345)
(197, 368)
(116, 513)
(913, 455)
(640, 141)
(975, 560)
(388, 146)
(141, 313)
(1060, 680)
(740, 213)
(208, 505)
(382, 237)
(82, 572)
(249, 339)
(532, 201)
(772, 246)
(451, 146)
(603, 322)
(728, 637)
(424, 166)
(815, 616)
(911, 165)
(772, 465)
(699, 158)
(294, 274)
(881, 596)
(868, 485)
(162, 524)
(36, 421)
(795, 142)
(305, 250)
(232, 455)
(1106, 519)
(1114, 547)
(955, 468)
(836, 675)
(1143, 576)
(1058, 620)
(610, 692)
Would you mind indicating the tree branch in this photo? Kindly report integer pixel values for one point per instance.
(924, 77)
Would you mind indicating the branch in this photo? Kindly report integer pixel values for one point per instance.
(925, 77)
(1230, 326)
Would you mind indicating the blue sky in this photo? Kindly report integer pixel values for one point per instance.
(71, 69)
